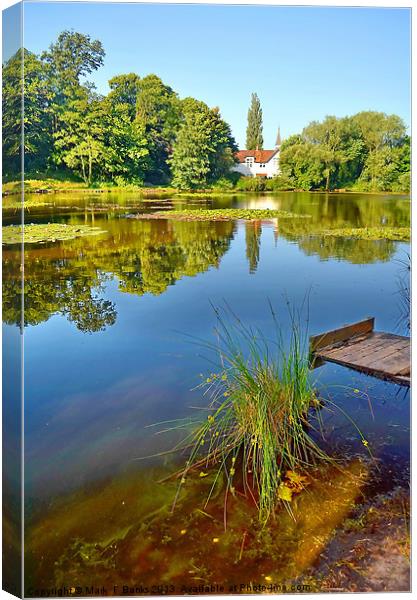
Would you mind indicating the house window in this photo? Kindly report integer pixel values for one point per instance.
(249, 161)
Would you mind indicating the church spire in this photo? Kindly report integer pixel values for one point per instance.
(278, 140)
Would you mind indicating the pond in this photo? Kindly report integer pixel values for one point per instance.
(114, 325)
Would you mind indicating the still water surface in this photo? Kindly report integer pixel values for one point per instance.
(108, 353)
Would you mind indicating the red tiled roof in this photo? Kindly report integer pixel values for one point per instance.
(260, 156)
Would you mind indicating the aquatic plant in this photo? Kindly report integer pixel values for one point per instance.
(401, 234)
(257, 428)
(223, 214)
(49, 232)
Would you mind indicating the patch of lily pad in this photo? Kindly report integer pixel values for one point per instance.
(47, 232)
(16, 204)
(224, 214)
(399, 234)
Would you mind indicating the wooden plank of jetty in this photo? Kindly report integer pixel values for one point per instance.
(359, 347)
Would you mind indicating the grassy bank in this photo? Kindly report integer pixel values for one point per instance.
(49, 185)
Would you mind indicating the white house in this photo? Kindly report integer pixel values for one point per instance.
(259, 163)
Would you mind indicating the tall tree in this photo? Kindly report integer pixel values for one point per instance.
(124, 90)
(368, 151)
(80, 141)
(302, 163)
(381, 134)
(339, 142)
(204, 148)
(25, 77)
(74, 55)
(158, 109)
(99, 141)
(254, 138)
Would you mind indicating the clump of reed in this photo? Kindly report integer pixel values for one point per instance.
(257, 429)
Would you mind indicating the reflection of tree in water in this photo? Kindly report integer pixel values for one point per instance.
(346, 210)
(146, 257)
(253, 232)
(165, 251)
(84, 307)
(46, 292)
(353, 250)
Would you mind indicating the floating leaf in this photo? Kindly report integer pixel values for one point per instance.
(295, 481)
(48, 232)
(284, 492)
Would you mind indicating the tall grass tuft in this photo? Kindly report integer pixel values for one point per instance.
(257, 428)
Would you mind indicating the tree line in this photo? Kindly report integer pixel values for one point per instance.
(368, 151)
(143, 132)
(140, 131)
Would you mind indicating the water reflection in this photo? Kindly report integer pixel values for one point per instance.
(145, 257)
(253, 242)
(92, 510)
(332, 210)
(358, 252)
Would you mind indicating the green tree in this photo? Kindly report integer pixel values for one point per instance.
(158, 110)
(379, 129)
(72, 56)
(383, 135)
(80, 142)
(124, 89)
(204, 148)
(302, 163)
(387, 169)
(28, 78)
(254, 138)
(367, 151)
(339, 142)
(100, 142)
(127, 156)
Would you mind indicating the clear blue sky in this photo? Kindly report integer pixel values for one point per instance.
(303, 62)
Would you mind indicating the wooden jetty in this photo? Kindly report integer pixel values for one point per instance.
(359, 347)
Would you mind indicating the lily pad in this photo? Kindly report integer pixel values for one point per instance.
(223, 214)
(49, 232)
(400, 234)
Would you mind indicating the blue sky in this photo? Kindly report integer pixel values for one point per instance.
(303, 62)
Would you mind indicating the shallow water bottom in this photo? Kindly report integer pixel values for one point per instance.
(124, 537)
